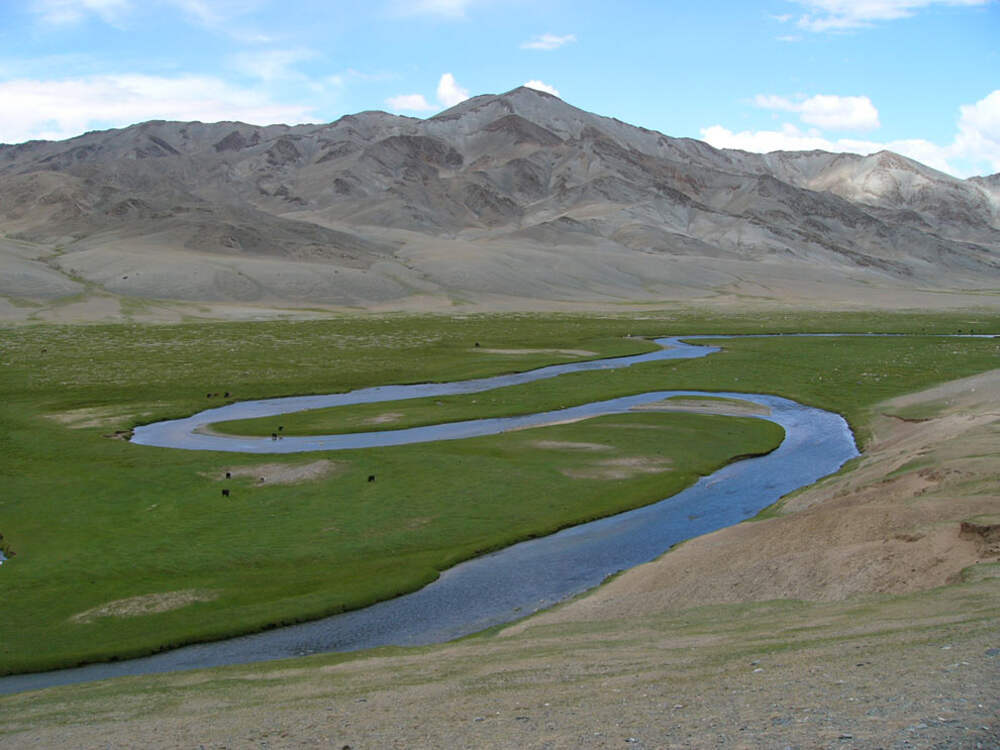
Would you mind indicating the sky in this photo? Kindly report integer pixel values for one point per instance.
(919, 77)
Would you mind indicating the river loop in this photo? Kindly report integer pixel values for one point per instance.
(511, 583)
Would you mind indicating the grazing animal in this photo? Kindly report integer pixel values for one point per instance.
(280, 427)
(477, 343)
(226, 394)
(229, 475)
(208, 395)
(371, 477)
(225, 493)
(274, 436)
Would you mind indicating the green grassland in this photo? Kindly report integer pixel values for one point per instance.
(843, 374)
(93, 519)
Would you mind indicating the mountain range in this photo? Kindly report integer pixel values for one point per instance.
(514, 200)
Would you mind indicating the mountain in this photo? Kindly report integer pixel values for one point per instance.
(517, 199)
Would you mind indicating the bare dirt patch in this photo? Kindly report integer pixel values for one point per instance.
(98, 416)
(568, 352)
(568, 445)
(389, 416)
(147, 604)
(276, 473)
(620, 468)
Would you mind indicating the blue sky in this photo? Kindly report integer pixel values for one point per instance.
(921, 77)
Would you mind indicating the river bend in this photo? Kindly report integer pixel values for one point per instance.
(510, 583)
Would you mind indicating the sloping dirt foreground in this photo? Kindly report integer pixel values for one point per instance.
(866, 614)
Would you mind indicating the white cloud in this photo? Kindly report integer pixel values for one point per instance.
(548, 41)
(409, 103)
(74, 11)
(790, 138)
(975, 149)
(979, 130)
(449, 93)
(542, 86)
(57, 109)
(272, 65)
(827, 111)
(839, 15)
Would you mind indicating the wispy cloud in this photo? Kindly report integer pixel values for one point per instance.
(548, 41)
(445, 8)
(60, 12)
(842, 15)
(826, 111)
(272, 65)
(200, 11)
(409, 103)
(542, 86)
(57, 109)
(220, 16)
(975, 148)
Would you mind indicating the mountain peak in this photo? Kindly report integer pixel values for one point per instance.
(529, 90)
(510, 101)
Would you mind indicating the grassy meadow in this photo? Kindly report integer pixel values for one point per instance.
(92, 519)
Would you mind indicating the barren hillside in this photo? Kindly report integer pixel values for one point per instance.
(516, 197)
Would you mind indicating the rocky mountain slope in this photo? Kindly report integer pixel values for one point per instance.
(519, 197)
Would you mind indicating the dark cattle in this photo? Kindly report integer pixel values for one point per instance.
(225, 493)
(371, 477)
(226, 394)
(280, 427)
(274, 436)
(229, 475)
(477, 343)
(208, 395)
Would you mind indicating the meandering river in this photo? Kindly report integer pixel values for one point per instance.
(511, 583)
